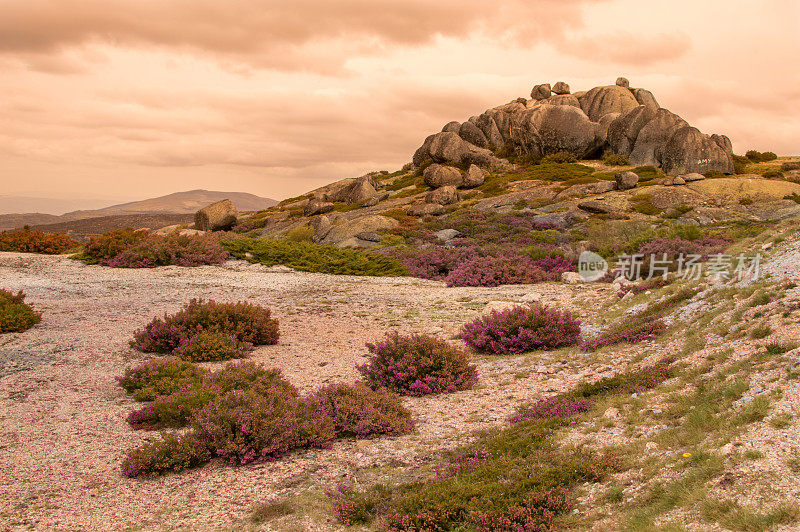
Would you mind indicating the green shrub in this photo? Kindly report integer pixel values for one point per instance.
(615, 159)
(647, 173)
(740, 163)
(27, 241)
(746, 201)
(559, 157)
(310, 257)
(759, 157)
(15, 314)
(557, 171)
(162, 376)
(172, 454)
(304, 233)
(212, 346)
(772, 174)
(643, 204)
(359, 411)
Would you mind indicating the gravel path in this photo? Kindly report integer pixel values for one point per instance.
(62, 416)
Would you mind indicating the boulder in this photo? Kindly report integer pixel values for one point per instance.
(423, 152)
(438, 175)
(190, 232)
(488, 127)
(443, 196)
(561, 88)
(357, 190)
(321, 226)
(571, 278)
(473, 134)
(553, 128)
(540, 92)
(677, 180)
(626, 180)
(474, 177)
(690, 151)
(369, 236)
(622, 132)
(585, 189)
(446, 235)
(688, 178)
(595, 207)
(374, 200)
(426, 209)
(370, 223)
(653, 136)
(218, 216)
(562, 99)
(317, 206)
(452, 127)
(562, 220)
(723, 142)
(609, 99)
(448, 147)
(623, 82)
(646, 98)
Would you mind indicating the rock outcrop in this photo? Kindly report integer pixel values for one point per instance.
(359, 189)
(218, 216)
(625, 120)
(438, 175)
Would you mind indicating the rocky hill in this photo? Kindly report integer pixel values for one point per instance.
(566, 158)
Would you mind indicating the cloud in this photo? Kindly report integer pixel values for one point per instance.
(627, 49)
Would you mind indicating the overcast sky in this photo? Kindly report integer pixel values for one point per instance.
(128, 99)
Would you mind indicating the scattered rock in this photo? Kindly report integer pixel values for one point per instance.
(358, 190)
(321, 226)
(426, 209)
(595, 207)
(369, 236)
(540, 92)
(688, 178)
(438, 175)
(363, 224)
(562, 220)
(474, 177)
(561, 88)
(531, 297)
(443, 196)
(623, 82)
(626, 180)
(571, 278)
(218, 216)
(190, 232)
(678, 180)
(317, 206)
(374, 200)
(446, 235)
(611, 413)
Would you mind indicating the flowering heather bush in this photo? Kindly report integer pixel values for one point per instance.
(636, 329)
(15, 314)
(353, 507)
(536, 513)
(417, 365)
(509, 268)
(173, 453)
(162, 376)
(212, 346)
(357, 410)
(171, 411)
(245, 426)
(244, 321)
(27, 241)
(521, 329)
(126, 248)
(559, 406)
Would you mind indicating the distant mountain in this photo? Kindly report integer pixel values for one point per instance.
(177, 203)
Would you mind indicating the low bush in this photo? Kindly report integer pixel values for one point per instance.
(172, 454)
(126, 248)
(760, 157)
(560, 406)
(306, 256)
(740, 163)
(508, 268)
(615, 159)
(162, 376)
(634, 330)
(534, 513)
(353, 507)
(246, 426)
(521, 329)
(417, 365)
(358, 410)
(15, 314)
(242, 321)
(790, 166)
(27, 241)
(171, 411)
(212, 346)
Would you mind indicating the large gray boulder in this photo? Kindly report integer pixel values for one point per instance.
(448, 147)
(553, 128)
(626, 180)
(562, 220)
(321, 225)
(452, 127)
(443, 196)
(653, 136)
(474, 177)
(690, 151)
(423, 152)
(359, 189)
(473, 134)
(364, 224)
(723, 142)
(622, 132)
(218, 216)
(540, 92)
(562, 99)
(561, 88)
(608, 99)
(646, 98)
(438, 175)
(488, 127)
(317, 206)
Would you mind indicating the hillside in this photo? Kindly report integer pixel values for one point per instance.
(187, 202)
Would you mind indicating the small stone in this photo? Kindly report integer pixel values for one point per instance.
(651, 446)
(611, 413)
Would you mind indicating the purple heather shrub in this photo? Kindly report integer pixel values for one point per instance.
(173, 453)
(636, 329)
(161, 376)
(559, 406)
(245, 426)
(521, 329)
(358, 410)
(244, 321)
(352, 507)
(171, 411)
(417, 364)
(212, 346)
(508, 268)
(462, 462)
(247, 375)
(535, 514)
(126, 248)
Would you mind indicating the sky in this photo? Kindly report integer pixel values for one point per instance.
(121, 100)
